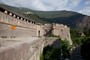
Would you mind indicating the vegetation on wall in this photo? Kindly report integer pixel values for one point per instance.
(60, 52)
(51, 35)
(85, 49)
(77, 38)
(64, 49)
(72, 19)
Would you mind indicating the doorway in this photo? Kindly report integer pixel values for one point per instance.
(39, 33)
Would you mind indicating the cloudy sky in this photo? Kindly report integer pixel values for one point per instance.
(81, 6)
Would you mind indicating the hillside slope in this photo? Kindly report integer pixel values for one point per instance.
(72, 19)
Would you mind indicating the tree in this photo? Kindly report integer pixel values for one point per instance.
(65, 46)
(85, 50)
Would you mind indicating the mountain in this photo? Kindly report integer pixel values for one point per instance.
(70, 18)
(63, 17)
(21, 11)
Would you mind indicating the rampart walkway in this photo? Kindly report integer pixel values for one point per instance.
(28, 48)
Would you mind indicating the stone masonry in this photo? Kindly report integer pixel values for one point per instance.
(13, 25)
(62, 31)
(28, 48)
(19, 36)
(59, 30)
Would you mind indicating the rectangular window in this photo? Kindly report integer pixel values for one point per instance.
(6, 19)
(9, 19)
(2, 17)
(5, 16)
(3, 26)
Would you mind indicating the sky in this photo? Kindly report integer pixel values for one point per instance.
(81, 6)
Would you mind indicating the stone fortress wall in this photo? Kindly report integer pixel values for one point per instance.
(23, 46)
(13, 25)
(63, 31)
(59, 30)
(21, 49)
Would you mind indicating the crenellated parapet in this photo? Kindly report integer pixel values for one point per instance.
(15, 25)
(19, 20)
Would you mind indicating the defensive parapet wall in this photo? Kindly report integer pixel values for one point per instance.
(50, 41)
(13, 25)
(21, 48)
(14, 28)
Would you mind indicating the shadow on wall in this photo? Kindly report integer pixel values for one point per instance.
(76, 54)
(56, 44)
(58, 50)
(52, 51)
(52, 43)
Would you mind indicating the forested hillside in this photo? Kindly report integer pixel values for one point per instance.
(72, 19)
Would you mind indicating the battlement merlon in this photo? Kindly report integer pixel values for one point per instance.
(16, 15)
